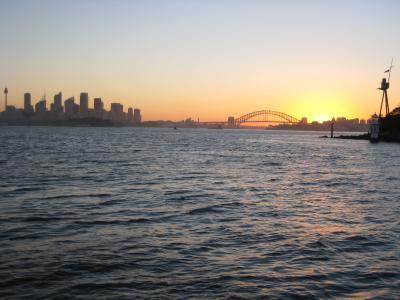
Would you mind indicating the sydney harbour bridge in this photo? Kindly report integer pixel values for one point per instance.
(260, 116)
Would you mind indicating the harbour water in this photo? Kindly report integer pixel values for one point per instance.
(145, 213)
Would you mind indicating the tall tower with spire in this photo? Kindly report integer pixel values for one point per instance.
(5, 97)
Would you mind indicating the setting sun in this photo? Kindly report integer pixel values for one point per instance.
(321, 118)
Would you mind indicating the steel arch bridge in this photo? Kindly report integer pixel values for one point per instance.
(266, 116)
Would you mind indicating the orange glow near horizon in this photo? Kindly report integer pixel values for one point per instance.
(169, 104)
(203, 60)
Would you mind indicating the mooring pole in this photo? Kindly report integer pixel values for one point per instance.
(333, 121)
(5, 98)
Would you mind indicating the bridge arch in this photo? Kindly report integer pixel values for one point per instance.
(266, 116)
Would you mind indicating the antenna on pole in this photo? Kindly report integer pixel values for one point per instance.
(390, 70)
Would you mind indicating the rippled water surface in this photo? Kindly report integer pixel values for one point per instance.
(130, 213)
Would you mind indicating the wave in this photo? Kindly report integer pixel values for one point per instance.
(217, 208)
(114, 222)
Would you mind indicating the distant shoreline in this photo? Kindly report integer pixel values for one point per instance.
(152, 124)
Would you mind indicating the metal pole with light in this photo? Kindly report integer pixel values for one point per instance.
(5, 95)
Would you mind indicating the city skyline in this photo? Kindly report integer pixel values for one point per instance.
(56, 100)
(55, 113)
(83, 114)
(207, 60)
(84, 109)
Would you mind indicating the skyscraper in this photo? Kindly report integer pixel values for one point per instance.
(27, 103)
(40, 107)
(117, 112)
(130, 114)
(137, 117)
(57, 107)
(69, 105)
(84, 104)
(98, 108)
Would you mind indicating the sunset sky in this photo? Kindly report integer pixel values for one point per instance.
(204, 59)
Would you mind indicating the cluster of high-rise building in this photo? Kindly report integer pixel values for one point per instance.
(70, 110)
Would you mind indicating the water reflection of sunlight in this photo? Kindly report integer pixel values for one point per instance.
(365, 295)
